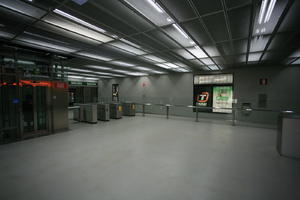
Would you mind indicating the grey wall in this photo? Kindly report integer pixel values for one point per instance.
(282, 91)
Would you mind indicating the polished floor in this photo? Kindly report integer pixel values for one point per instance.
(149, 158)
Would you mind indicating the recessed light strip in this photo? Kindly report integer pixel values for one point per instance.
(180, 31)
(156, 6)
(270, 10)
(71, 17)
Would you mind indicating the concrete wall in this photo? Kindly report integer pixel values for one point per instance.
(282, 91)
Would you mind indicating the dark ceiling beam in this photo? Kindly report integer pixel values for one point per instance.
(251, 24)
(203, 25)
(225, 12)
(280, 20)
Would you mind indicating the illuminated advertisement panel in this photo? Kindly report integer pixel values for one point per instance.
(222, 98)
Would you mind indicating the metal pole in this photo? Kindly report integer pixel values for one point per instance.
(167, 112)
(233, 116)
(197, 120)
(143, 110)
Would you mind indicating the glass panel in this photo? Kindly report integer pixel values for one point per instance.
(28, 112)
(41, 108)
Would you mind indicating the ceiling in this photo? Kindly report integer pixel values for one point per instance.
(115, 38)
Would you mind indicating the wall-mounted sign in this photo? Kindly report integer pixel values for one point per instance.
(222, 99)
(115, 92)
(202, 97)
(213, 91)
(213, 79)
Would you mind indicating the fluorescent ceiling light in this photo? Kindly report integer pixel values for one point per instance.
(197, 52)
(82, 77)
(262, 11)
(253, 57)
(163, 66)
(47, 45)
(131, 43)
(180, 31)
(120, 63)
(171, 65)
(157, 72)
(128, 48)
(156, 6)
(137, 74)
(213, 67)
(71, 17)
(98, 67)
(94, 56)
(154, 58)
(207, 61)
(270, 10)
(72, 27)
(80, 70)
(143, 68)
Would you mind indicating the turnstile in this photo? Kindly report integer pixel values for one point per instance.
(86, 113)
(115, 110)
(90, 113)
(79, 113)
(103, 111)
(128, 109)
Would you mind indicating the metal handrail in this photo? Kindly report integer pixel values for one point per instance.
(234, 109)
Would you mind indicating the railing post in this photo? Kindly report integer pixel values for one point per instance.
(143, 110)
(167, 111)
(197, 114)
(233, 116)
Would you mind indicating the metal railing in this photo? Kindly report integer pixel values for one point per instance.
(198, 109)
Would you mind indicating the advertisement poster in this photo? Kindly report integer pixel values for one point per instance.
(222, 98)
(203, 97)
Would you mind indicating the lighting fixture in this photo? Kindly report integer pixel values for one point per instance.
(180, 30)
(262, 10)
(163, 66)
(127, 48)
(73, 18)
(156, 6)
(94, 56)
(120, 63)
(207, 61)
(171, 65)
(39, 43)
(137, 74)
(143, 68)
(169, 19)
(98, 67)
(79, 70)
(131, 43)
(198, 52)
(270, 10)
(154, 58)
(213, 67)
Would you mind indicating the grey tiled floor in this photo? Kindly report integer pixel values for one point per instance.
(143, 158)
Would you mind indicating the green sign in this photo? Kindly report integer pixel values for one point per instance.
(79, 83)
(222, 98)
